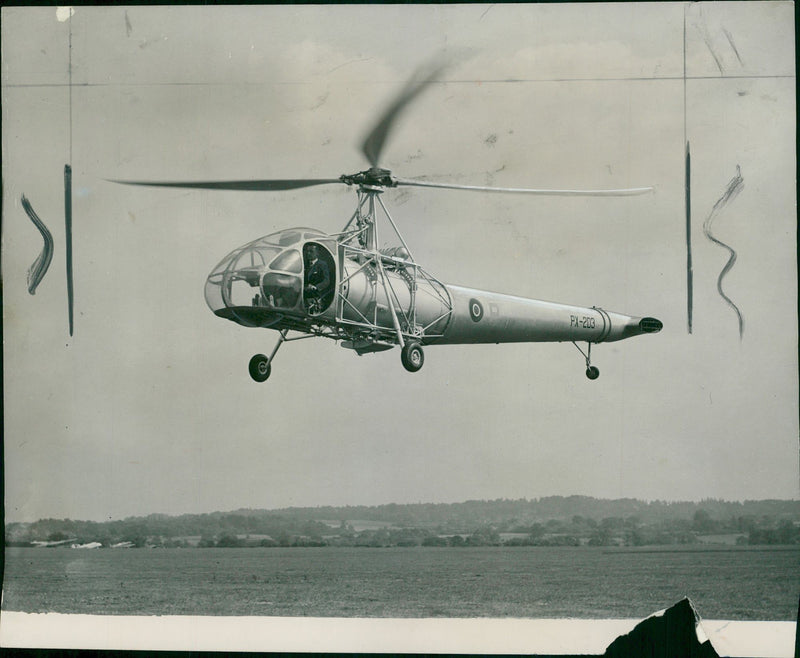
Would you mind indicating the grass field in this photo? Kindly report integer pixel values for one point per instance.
(588, 583)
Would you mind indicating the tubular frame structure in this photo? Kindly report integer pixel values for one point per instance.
(360, 245)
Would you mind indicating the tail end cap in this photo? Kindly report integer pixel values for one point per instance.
(650, 325)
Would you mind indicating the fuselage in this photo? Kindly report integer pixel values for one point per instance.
(373, 298)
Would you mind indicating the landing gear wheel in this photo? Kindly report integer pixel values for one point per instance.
(412, 357)
(260, 368)
(592, 372)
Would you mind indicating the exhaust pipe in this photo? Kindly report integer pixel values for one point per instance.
(650, 325)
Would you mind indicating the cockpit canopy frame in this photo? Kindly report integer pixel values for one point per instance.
(258, 283)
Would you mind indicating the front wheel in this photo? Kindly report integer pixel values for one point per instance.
(260, 368)
(412, 357)
(592, 372)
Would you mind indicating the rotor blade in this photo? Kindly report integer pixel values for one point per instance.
(373, 144)
(269, 185)
(523, 190)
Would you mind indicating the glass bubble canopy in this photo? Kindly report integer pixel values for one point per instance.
(257, 283)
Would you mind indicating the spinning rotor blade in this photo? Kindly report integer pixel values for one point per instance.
(523, 190)
(373, 144)
(269, 185)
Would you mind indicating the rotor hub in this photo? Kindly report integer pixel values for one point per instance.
(375, 176)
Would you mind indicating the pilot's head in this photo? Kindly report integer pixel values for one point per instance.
(313, 252)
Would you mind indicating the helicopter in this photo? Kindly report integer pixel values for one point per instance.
(344, 287)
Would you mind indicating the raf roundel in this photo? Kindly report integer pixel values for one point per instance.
(475, 310)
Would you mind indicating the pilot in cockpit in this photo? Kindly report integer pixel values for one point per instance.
(318, 280)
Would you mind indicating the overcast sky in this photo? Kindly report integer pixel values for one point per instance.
(149, 407)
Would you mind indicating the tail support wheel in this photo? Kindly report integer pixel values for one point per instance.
(592, 372)
(412, 356)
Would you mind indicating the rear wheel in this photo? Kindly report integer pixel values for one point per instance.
(592, 372)
(412, 357)
(260, 368)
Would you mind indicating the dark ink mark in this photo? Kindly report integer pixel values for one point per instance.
(689, 274)
(39, 267)
(742, 93)
(486, 12)
(734, 187)
(68, 238)
(128, 26)
(491, 140)
(733, 45)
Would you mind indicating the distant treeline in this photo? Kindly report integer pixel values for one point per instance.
(539, 509)
(551, 521)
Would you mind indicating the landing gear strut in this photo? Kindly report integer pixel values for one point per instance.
(592, 372)
(261, 365)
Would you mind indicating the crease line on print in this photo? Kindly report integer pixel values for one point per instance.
(734, 187)
(40, 266)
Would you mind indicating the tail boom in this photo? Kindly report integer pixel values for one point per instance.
(479, 316)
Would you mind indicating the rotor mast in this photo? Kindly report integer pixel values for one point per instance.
(367, 222)
(371, 184)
